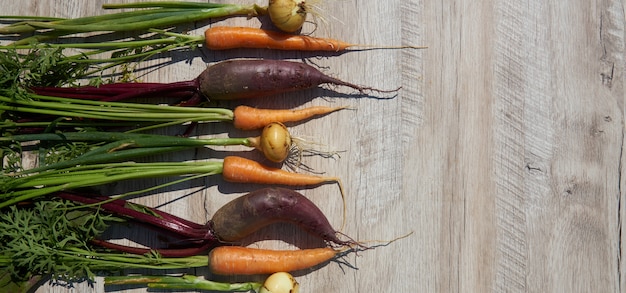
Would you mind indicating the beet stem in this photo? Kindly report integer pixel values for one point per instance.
(122, 91)
(164, 252)
(164, 220)
(162, 90)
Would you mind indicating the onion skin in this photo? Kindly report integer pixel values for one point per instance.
(287, 15)
(280, 282)
(275, 142)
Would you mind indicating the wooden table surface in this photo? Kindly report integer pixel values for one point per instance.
(502, 152)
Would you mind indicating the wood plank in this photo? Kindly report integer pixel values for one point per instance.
(509, 85)
(559, 147)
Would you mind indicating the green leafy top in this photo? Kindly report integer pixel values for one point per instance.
(35, 239)
(40, 66)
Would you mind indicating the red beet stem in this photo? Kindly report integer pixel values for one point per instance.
(164, 252)
(226, 80)
(122, 91)
(169, 222)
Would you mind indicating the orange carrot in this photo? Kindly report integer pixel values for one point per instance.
(237, 260)
(249, 118)
(242, 170)
(223, 38)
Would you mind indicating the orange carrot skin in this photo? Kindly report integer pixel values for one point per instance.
(242, 170)
(224, 38)
(237, 260)
(249, 118)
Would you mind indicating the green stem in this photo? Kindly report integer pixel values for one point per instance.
(114, 156)
(133, 20)
(27, 17)
(97, 174)
(34, 193)
(116, 111)
(22, 188)
(121, 146)
(142, 107)
(143, 49)
(116, 261)
(157, 16)
(114, 45)
(134, 139)
(185, 282)
(164, 124)
(163, 4)
(44, 124)
(129, 116)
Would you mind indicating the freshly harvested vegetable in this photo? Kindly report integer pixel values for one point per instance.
(38, 33)
(231, 223)
(157, 14)
(226, 80)
(280, 282)
(214, 38)
(237, 260)
(37, 112)
(239, 79)
(248, 118)
(18, 186)
(275, 143)
(249, 213)
(51, 237)
(288, 15)
(239, 169)
(227, 37)
(186, 282)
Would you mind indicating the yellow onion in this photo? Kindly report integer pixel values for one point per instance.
(287, 15)
(280, 283)
(275, 142)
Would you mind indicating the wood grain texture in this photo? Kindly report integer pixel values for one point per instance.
(520, 108)
(502, 153)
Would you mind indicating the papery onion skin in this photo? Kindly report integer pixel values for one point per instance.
(287, 15)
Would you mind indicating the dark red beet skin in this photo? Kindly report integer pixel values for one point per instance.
(231, 223)
(226, 80)
(266, 206)
(241, 79)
